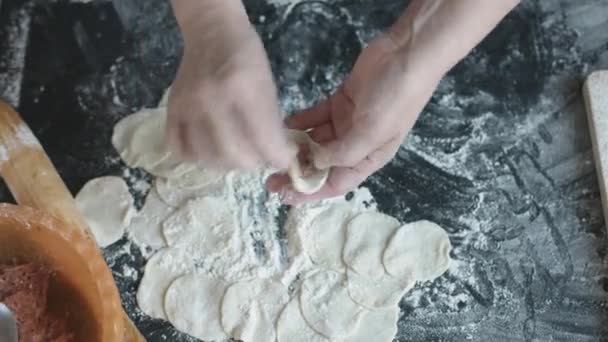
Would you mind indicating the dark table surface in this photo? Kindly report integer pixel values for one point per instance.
(501, 157)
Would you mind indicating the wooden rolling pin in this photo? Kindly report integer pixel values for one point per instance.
(34, 182)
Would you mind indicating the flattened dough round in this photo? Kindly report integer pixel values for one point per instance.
(366, 237)
(192, 305)
(292, 327)
(326, 236)
(107, 207)
(177, 191)
(250, 309)
(139, 138)
(208, 221)
(161, 270)
(146, 228)
(327, 307)
(379, 293)
(377, 326)
(306, 180)
(421, 248)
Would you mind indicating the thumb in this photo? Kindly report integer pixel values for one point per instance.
(348, 150)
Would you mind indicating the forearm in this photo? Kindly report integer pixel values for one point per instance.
(199, 19)
(437, 34)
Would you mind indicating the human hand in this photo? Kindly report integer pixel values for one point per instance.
(223, 108)
(362, 125)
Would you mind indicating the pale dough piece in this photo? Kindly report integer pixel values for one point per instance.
(139, 138)
(305, 179)
(327, 307)
(207, 221)
(161, 270)
(192, 305)
(420, 248)
(326, 236)
(107, 207)
(176, 191)
(378, 293)
(146, 228)
(164, 101)
(377, 326)
(292, 327)
(366, 237)
(250, 309)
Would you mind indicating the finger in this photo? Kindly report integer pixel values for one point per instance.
(177, 139)
(277, 181)
(273, 146)
(344, 179)
(311, 117)
(323, 134)
(233, 151)
(360, 141)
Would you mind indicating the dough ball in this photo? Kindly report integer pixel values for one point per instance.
(420, 248)
(326, 235)
(146, 228)
(250, 309)
(292, 327)
(377, 326)
(161, 270)
(327, 307)
(192, 305)
(366, 237)
(379, 293)
(107, 206)
(305, 178)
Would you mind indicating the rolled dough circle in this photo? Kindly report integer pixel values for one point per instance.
(192, 305)
(107, 206)
(326, 235)
(327, 307)
(146, 228)
(420, 248)
(377, 326)
(366, 237)
(291, 326)
(250, 309)
(379, 293)
(305, 179)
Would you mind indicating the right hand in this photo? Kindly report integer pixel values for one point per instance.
(223, 106)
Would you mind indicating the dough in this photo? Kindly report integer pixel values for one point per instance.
(146, 228)
(192, 305)
(107, 207)
(305, 178)
(327, 307)
(164, 101)
(420, 248)
(378, 293)
(250, 309)
(161, 270)
(366, 237)
(207, 221)
(326, 235)
(292, 327)
(377, 326)
(176, 191)
(139, 138)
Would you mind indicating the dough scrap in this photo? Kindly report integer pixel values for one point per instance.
(291, 326)
(160, 271)
(250, 309)
(146, 228)
(367, 234)
(377, 326)
(192, 305)
(327, 307)
(305, 179)
(206, 221)
(326, 236)
(420, 248)
(107, 206)
(380, 293)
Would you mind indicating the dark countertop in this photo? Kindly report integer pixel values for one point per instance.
(501, 157)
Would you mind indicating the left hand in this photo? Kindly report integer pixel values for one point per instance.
(362, 125)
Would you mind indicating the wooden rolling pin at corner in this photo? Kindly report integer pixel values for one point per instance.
(34, 182)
